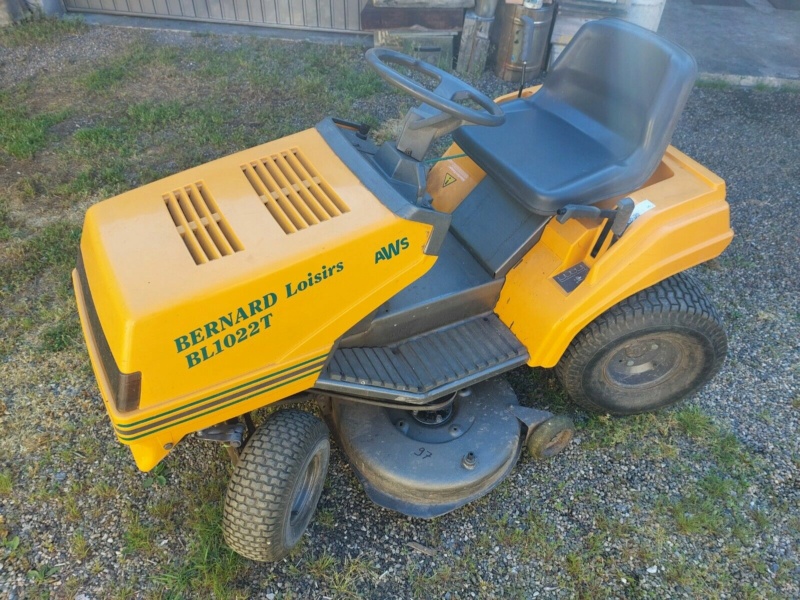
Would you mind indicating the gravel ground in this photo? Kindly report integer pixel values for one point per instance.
(698, 501)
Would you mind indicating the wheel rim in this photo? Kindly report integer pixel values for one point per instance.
(646, 361)
(305, 495)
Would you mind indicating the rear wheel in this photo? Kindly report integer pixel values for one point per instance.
(276, 485)
(646, 352)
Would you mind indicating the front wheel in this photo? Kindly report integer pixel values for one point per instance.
(646, 352)
(276, 485)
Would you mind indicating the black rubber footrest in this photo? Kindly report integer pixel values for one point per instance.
(428, 366)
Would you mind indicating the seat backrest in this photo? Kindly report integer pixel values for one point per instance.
(626, 79)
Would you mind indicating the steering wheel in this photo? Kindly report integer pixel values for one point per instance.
(445, 96)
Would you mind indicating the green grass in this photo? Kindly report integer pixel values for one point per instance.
(63, 335)
(6, 483)
(39, 30)
(140, 538)
(694, 422)
(55, 246)
(79, 546)
(121, 68)
(6, 227)
(207, 566)
(713, 84)
(21, 134)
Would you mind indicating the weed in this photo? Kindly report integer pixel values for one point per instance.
(325, 518)
(760, 518)
(102, 140)
(164, 510)
(79, 546)
(158, 476)
(696, 515)
(6, 483)
(105, 77)
(727, 450)
(72, 511)
(11, 544)
(694, 422)
(139, 537)
(354, 571)
(42, 573)
(103, 491)
(321, 566)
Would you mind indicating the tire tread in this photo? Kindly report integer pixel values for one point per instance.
(262, 481)
(680, 294)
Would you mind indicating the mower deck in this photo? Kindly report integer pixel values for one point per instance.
(427, 463)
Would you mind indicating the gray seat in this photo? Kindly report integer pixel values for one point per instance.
(598, 127)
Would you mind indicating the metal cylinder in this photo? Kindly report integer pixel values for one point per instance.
(524, 37)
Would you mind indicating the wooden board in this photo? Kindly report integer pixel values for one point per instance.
(474, 47)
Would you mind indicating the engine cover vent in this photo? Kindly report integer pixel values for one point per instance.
(293, 191)
(206, 233)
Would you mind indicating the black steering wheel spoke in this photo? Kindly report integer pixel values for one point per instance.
(447, 94)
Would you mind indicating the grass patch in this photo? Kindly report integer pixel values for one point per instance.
(5, 220)
(6, 483)
(22, 134)
(54, 246)
(105, 77)
(124, 67)
(694, 422)
(102, 140)
(39, 29)
(207, 567)
(139, 538)
(713, 84)
(63, 335)
(152, 116)
(79, 546)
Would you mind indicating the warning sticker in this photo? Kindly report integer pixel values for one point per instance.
(572, 277)
(448, 179)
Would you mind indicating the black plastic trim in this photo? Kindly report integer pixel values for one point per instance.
(376, 183)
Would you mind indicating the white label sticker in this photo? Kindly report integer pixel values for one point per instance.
(640, 209)
(457, 171)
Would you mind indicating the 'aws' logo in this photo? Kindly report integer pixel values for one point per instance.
(391, 250)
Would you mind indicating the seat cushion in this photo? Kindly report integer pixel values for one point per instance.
(545, 161)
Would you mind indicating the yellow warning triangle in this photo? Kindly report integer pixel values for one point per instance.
(448, 179)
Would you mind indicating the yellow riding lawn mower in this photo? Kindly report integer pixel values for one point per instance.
(393, 291)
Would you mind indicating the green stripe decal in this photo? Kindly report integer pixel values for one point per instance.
(218, 394)
(216, 408)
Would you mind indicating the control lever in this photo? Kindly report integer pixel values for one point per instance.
(619, 216)
(616, 219)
